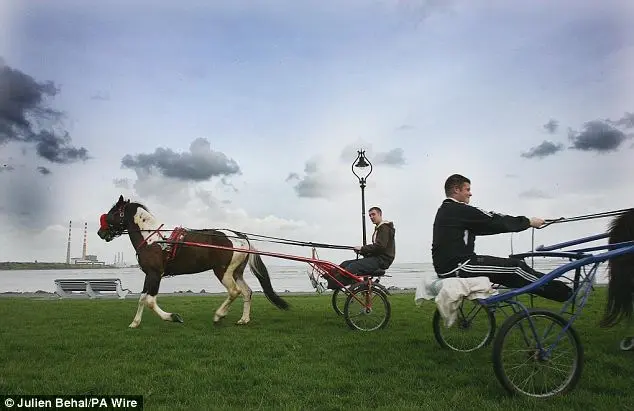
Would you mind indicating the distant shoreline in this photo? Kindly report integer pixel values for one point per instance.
(13, 265)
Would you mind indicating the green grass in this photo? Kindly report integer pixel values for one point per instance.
(306, 358)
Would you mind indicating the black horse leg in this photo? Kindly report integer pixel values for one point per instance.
(148, 298)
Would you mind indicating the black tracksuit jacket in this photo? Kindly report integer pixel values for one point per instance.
(456, 227)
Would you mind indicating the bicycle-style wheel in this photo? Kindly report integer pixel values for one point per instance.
(338, 300)
(367, 309)
(474, 328)
(537, 354)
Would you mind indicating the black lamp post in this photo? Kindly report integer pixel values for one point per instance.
(365, 169)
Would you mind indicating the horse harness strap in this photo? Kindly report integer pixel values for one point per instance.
(170, 245)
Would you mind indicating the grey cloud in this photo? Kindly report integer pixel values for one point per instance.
(43, 170)
(394, 157)
(312, 185)
(101, 96)
(25, 117)
(292, 176)
(121, 183)
(545, 149)
(597, 136)
(551, 126)
(535, 193)
(200, 164)
(405, 127)
(627, 121)
(225, 182)
(6, 167)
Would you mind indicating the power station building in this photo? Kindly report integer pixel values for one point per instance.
(85, 259)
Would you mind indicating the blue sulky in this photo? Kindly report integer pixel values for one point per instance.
(540, 339)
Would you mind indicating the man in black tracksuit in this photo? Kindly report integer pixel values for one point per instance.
(376, 256)
(455, 228)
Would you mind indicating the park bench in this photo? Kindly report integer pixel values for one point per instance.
(93, 287)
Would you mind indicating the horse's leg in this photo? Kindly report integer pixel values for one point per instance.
(139, 311)
(151, 288)
(232, 289)
(246, 294)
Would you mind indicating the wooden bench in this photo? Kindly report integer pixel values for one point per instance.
(93, 287)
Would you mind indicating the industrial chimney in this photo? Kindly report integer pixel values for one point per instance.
(70, 224)
(83, 255)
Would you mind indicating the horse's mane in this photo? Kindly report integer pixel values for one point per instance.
(142, 206)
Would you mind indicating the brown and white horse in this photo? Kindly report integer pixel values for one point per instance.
(158, 259)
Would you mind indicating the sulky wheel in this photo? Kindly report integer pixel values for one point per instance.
(474, 328)
(338, 300)
(367, 309)
(534, 354)
(627, 344)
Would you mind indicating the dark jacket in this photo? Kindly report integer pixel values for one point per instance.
(383, 244)
(456, 227)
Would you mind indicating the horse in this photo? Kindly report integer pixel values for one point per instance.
(159, 256)
(620, 273)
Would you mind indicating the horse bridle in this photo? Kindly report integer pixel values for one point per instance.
(113, 230)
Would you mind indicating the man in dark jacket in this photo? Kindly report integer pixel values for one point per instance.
(455, 229)
(378, 255)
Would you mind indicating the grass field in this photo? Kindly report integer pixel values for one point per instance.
(306, 358)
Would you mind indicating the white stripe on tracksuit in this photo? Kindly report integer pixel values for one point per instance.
(484, 269)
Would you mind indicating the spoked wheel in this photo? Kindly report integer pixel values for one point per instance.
(474, 328)
(627, 344)
(367, 309)
(523, 367)
(338, 301)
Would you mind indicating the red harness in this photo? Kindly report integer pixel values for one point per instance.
(178, 234)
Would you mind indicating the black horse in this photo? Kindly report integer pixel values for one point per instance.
(621, 273)
(158, 259)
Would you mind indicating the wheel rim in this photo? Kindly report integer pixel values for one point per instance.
(535, 372)
(471, 329)
(363, 318)
(627, 344)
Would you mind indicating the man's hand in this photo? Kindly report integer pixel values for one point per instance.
(537, 222)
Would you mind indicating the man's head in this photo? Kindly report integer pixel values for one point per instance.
(458, 187)
(376, 215)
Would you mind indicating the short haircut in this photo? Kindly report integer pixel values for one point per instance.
(377, 209)
(455, 181)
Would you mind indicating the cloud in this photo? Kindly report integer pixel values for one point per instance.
(405, 127)
(627, 121)
(535, 193)
(100, 96)
(121, 183)
(43, 170)
(597, 136)
(551, 126)
(545, 149)
(6, 167)
(314, 184)
(200, 164)
(25, 117)
(394, 157)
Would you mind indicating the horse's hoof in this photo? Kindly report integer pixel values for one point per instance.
(627, 344)
(133, 325)
(242, 322)
(177, 318)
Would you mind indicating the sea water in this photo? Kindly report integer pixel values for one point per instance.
(283, 278)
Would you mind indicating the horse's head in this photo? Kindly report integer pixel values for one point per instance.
(115, 222)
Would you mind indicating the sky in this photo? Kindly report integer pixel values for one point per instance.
(233, 115)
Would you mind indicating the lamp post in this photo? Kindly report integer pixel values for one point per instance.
(365, 169)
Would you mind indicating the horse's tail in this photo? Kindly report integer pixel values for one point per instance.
(259, 270)
(621, 273)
